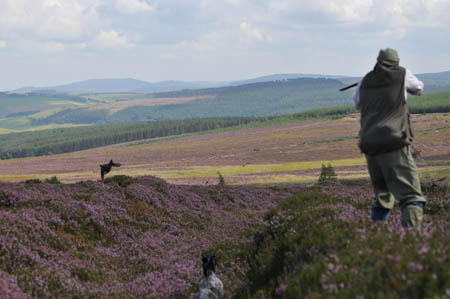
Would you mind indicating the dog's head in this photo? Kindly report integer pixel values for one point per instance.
(209, 264)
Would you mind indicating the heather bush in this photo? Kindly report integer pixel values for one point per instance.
(321, 244)
(127, 238)
(143, 238)
(9, 287)
(33, 181)
(121, 180)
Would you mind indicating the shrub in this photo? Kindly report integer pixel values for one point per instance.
(327, 174)
(53, 180)
(317, 246)
(221, 179)
(121, 180)
(33, 181)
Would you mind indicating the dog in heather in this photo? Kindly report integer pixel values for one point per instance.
(210, 285)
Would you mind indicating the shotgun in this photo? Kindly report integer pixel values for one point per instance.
(348, 87)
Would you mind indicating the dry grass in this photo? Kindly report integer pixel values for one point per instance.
(114, 107)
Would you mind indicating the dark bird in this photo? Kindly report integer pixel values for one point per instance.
(105, 168)
(442, 179)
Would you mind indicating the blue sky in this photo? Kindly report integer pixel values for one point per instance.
(52, 42)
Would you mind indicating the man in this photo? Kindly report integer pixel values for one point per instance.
(385, 138)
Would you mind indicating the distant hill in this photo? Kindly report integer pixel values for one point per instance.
(109, 100)
(260, 99)
(436, 81)
(121, 85)
(130, 85)
(281, 77)
(256, 99)
(442, 78)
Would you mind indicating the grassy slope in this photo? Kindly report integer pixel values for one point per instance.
(17, 103)
(67, 140)
(280, 152)
(18, 110)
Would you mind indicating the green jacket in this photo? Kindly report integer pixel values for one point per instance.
(385, 124)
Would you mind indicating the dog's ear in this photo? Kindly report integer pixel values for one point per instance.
(213, 263)
(205, 258)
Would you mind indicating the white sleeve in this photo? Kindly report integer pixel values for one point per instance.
(412, 84)
(356, 95)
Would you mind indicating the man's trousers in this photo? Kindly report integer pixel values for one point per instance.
(394, 176)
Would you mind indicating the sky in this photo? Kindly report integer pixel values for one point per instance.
(53, 42)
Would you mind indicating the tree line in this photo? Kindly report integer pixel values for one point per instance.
(63, 140)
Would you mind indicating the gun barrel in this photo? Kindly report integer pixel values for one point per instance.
(348, 87)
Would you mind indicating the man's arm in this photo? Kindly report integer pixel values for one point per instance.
(412, 84)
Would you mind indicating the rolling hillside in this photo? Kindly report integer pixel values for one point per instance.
(266, 96)
(256, 99)
(291, 151)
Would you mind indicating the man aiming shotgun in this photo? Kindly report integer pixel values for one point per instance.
(385, 138)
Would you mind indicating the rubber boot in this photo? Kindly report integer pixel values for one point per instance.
(412, 215)
(378, 213)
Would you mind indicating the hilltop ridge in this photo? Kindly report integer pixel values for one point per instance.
(102, 85)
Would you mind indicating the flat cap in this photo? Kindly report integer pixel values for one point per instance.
(389, 55)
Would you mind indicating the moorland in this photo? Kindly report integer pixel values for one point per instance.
(244, 189)
(276, 151)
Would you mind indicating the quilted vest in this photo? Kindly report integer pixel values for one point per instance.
(385, 123)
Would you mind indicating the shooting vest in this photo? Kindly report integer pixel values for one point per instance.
(385, 124)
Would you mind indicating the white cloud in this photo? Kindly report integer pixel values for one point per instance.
(249, 33)
(437, 12)
(39, 47)
(328, 11)
(111, 39)
(208, 42)
(53, 47)
(79, 46)
(57, 19)
(233, 2)
(227, 40)
(347, 10)
(212, 31)
(133, 6)
(363, 11)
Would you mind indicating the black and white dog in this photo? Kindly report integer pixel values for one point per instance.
(210, 285)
